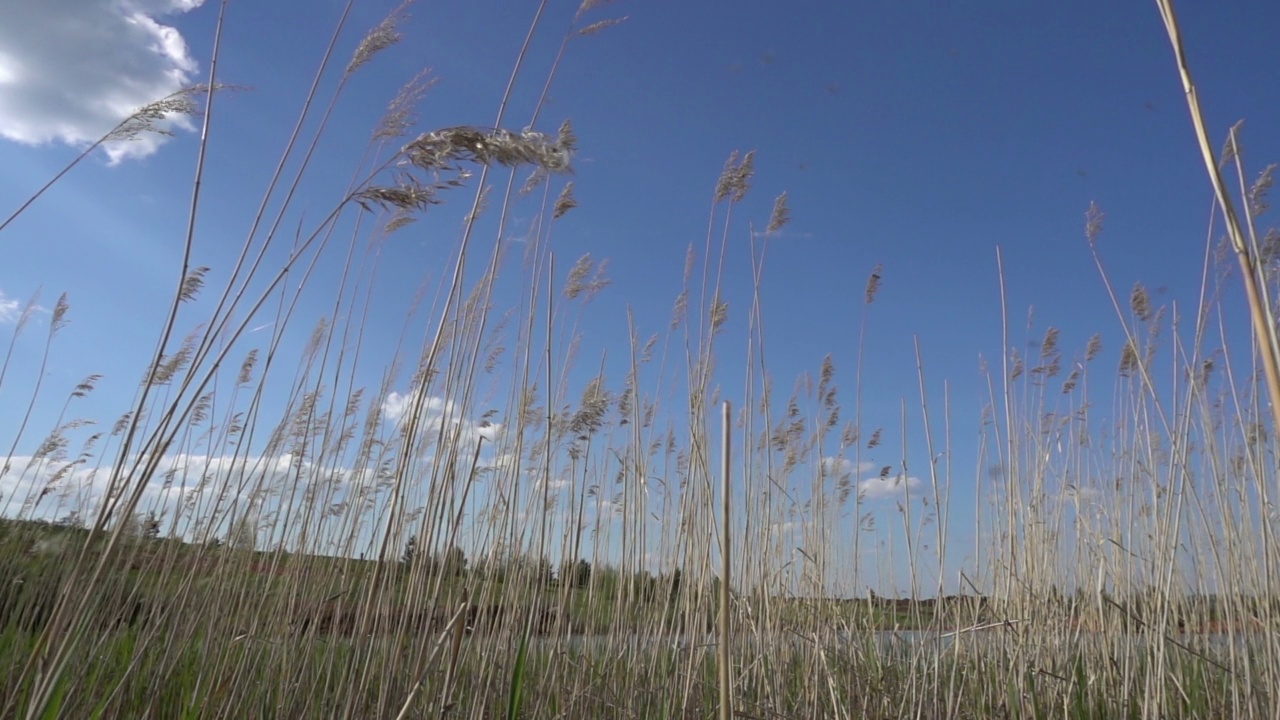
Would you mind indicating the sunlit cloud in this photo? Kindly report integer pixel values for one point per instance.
(71, 70)
(890, 487)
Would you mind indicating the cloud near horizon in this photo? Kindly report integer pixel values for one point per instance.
(888, 488)
(46, 489)
(395, 406)
(10, 309)
(71, 70)
(840, 466)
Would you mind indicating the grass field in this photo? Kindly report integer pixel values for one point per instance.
(257, 599)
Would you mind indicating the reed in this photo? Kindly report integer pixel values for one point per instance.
(497, 527)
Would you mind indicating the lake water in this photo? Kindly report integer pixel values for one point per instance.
(905, 644)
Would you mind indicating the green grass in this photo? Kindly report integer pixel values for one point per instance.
(1157, 596)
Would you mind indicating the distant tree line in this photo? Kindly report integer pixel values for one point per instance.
(517, 567)
(452, 562)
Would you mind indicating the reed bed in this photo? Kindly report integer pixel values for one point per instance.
(519, 535)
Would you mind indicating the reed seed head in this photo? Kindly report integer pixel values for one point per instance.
(407, 194)
(719, 313)
(1258, 201)
(441, 149)
(596, 27)
(565, 202)
(401, 112)
(1140, 303)
(1093, 218)
(586, 278)
(1050, 343)
(1072, 380)
(589, 5)
(246, 368)
(28, 311)
(679, 309)
(1231, 147)
(60, 309)
(382, 36)
(86, 386)
(1128, 359)
(401, 219)
(781, 214)
(191, 284)
(735, 178)
(146, 118)
(873, 284)
(535, 180)
(1093, 348)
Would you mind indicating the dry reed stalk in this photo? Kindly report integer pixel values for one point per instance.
(813, 671)
(145, 119)
(1263, 323)
(142, 120)
(723, 647)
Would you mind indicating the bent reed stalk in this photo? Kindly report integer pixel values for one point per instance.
(476, 522)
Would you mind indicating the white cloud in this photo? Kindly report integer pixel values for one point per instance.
(396, 405)
(437, 411)
(509, 461)
(71, 70)
(840, 466)
(1084, 496)
(554, 485)
(199, 488)
(887, 488)
(10, 309)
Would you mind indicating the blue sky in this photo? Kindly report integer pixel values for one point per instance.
(918, 136)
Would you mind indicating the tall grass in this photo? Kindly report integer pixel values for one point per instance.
(519, 535)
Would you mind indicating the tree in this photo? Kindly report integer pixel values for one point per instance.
(244, 533)
(543, 575)
(646, 586)
(576, 574)
(414, 558)
(490, 567)
(72, 519)
(140, 526)
(607, 580)
(410, 551)
(149, 526)
(454, 562)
